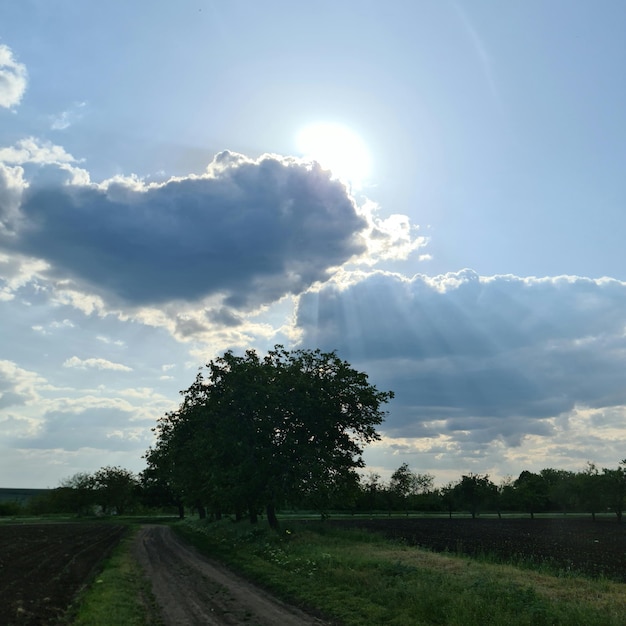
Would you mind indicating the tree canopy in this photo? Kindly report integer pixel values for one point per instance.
(260, 432)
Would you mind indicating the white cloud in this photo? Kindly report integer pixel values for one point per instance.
(33, 150)
(36, 162)
(66, 118)
(108, 341)
(390, 238)
(16, 272)
(19, 386)
(64, 324)
(100, 364)
(13, 78)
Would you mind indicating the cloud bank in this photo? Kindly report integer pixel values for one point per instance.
(488, 357)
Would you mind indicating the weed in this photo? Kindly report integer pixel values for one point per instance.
(360, 578)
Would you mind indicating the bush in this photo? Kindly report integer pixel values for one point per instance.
(10, 509)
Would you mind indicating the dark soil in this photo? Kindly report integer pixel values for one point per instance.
(43, 566)
(570, 544)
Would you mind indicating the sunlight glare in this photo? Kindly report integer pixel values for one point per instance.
(338, 149)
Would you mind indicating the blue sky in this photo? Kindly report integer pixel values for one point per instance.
(158, 206)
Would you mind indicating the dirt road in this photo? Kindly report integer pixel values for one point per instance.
(192, 590)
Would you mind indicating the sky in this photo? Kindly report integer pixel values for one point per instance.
(435, 190)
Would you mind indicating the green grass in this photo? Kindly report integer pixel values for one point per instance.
(362, 579)
(118, 595)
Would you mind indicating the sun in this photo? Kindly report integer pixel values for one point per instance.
(336, 148)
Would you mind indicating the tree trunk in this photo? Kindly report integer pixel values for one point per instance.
(254, 518)
(271, 516)
(181, 511)
(201, 511)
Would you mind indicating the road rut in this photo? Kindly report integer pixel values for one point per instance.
(193, 590)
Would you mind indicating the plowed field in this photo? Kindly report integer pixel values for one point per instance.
(572, 544)
(43, 566)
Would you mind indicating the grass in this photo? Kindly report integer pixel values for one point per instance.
(119, 594)
(359, 578)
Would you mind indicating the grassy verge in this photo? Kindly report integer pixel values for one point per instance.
(119, 594)
(359, 578)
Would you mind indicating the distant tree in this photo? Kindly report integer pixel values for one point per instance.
(401, 485)
(263, 431)
(561, 488)
(614, 488)
(372, 489)
(474, 492)
(406, 484)
(531, 491)
(10, 508)
(449, 497)
(341, 493)
(116, 489)
(505, 496)
(75, 493)
(422, 483)
(590, 489)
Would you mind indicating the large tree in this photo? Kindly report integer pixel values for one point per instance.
(258, 432)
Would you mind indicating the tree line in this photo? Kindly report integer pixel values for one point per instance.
(117, 491)
(107, 491)
(590, 490)
(286, 431)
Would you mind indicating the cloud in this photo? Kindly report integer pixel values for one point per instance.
(18, 386)
(16, 272)
(100, 364)
(103, 428)
(251, 231)
(32, 150)
(480, 358)
(13, 78)
(31, 161)
(390, 238)
(12, 185)
(66, 118)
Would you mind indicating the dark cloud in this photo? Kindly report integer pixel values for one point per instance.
(224, 317)
(250, 230)
(486, 355)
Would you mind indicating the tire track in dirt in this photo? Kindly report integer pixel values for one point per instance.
(192, 590)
